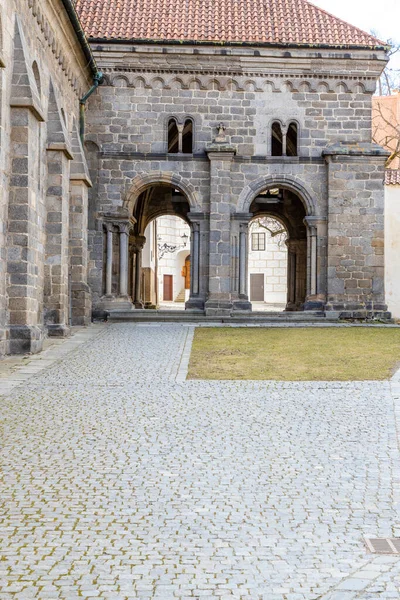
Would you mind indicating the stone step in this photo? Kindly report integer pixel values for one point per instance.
(193, 316)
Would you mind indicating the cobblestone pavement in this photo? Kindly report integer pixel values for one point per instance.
(119, 482)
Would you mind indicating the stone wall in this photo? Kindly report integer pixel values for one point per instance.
(43, 74)
(327, 95)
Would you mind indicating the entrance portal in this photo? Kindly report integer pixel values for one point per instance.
(278, 250)
(160, 245)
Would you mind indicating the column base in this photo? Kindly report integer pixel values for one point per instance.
(218, 308)
(24, 339)
(242, 305)
(108, 303)
(195, 304)
(58, 330)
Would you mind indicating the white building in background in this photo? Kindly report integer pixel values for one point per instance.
(267, 273)
(392, 241)
(166, 261)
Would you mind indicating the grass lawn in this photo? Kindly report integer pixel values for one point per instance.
(314, 354)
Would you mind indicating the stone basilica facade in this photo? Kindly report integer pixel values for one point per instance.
(215, 118)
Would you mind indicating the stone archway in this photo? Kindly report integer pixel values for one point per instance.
(153, 198)
(287, 199)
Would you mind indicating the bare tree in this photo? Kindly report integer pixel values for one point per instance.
(386, 128)
(276, 230)
(390, 78)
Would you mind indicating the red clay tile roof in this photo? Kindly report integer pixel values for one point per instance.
(275, 22)
(392, 177)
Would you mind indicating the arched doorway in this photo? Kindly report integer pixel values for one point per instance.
(160, 242)
(284, 206)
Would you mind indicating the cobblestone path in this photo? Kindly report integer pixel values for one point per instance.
(117, 482)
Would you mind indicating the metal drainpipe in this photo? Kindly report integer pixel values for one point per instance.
(97, 80)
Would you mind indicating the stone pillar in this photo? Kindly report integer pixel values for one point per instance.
(138, 244)
(297, 274)
(81, 301)
(123, 258)
(316, 276)
(56, 269)
(239, 261)
(81, 297)
(219, 301)
(355, 250)
(25, 236)
(291, 276)
(109, 227)
(198, 261)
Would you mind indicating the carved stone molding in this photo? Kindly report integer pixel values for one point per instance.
(244, 82)
(54, 44)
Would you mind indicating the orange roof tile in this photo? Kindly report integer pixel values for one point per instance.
(275, 22)
(392, 177)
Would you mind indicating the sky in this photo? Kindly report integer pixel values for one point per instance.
(382, 17)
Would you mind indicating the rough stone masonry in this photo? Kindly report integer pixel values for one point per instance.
(280, 125)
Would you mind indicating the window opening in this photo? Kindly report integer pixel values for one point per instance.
(36, 75)
(258, 242)
(187, 137)
(291, 140)
(173, 137)
(276, 139)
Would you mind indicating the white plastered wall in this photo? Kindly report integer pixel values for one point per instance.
(392, 248)
(170, 231)
(272, 262)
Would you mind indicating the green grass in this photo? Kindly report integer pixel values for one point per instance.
(296, 354)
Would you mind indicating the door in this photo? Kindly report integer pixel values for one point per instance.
(168, 288)
(257, 287)
(187, 273)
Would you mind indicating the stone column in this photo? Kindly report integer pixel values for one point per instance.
(219, 301)
(123, 258)
(138, 244)
(316, 234)
(301, 273)
(239, 261)
(109, 258)
(198, 261)
(291, 275)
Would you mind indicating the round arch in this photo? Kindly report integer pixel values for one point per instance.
(262, 184)
(160, 178)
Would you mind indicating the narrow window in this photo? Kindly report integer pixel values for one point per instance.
(258, 242)
(291, 140)
(36, 75)
(173, 137)
(276, 139)
(187, 137)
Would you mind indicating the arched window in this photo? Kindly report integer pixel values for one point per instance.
(187, 137)
(276, 139)
(173, 137)
(291, 140)
(36, 75)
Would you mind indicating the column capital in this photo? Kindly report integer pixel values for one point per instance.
(124, 227)
(138, 242)
(314, 220)
(108, 226)
(296, 246)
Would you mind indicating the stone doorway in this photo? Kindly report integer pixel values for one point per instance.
(161, 241)
(286, 272)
